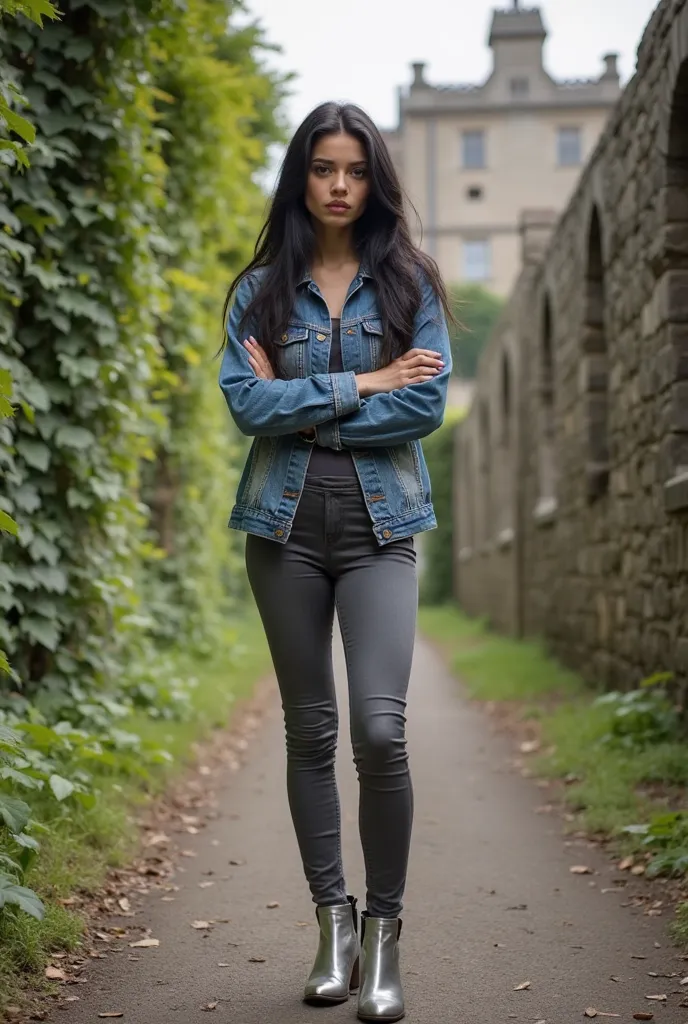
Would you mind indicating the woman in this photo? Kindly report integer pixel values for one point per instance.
(336, 362)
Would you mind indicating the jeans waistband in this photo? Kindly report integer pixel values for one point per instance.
(332, 484)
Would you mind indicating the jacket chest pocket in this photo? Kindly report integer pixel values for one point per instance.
(292, 352)
(371, 342)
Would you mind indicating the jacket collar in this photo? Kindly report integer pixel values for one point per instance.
(362, 272)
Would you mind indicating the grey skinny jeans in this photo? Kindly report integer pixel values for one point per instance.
(332, 559)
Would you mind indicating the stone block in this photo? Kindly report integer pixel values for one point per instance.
(678, 409)
(671, 296)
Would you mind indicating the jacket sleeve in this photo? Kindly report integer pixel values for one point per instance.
(408, 413)
(265, 408)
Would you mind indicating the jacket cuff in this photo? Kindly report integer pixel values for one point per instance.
(345, 392)
(327, 435)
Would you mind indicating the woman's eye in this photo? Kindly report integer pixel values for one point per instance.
(321, 170)
(359, 173)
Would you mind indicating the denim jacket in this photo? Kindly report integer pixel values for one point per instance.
(382, 431)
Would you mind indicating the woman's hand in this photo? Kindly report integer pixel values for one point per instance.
(414, 367)
(258, 361)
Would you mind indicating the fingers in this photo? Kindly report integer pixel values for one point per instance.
(257, 368)
(420, 376)
(423, 355)
(258, 360)
(417, 358)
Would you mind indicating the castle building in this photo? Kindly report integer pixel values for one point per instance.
(473, 158)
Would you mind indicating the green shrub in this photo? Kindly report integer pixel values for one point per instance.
(438, 545)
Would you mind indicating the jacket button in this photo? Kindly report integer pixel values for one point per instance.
(279, 533)
(321, 337)
(350, 331)
(285, 337)
(386, 534)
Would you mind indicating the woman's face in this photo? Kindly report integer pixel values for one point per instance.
(338, 180)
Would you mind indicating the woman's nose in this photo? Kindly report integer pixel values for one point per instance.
(339, 184)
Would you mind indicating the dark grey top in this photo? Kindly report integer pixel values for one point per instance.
(327, 461)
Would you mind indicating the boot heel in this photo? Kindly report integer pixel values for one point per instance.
(355, 976)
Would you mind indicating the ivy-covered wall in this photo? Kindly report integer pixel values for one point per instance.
(118, 241)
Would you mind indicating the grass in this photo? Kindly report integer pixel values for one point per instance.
(83, 844)
(608, 787)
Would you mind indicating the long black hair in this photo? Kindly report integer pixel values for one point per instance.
(382, 239)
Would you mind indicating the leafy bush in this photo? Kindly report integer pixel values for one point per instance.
(477, 311)
(642, 717)
(438, 545)
(667, 838)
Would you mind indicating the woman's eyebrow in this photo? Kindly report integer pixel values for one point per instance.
(331, 163)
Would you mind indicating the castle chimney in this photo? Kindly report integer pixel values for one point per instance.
(418, 75)
(611, 69)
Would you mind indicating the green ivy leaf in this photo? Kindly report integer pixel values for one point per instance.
(41, 631)
(15, 813)
(51, 578)
(62, 788)
(20, 126)
(8, 524)
(74, 437)
(26, 842)
(25, 899)
(20, 778)
(9, 219)
(36, 454)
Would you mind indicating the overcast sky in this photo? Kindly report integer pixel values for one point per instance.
(361, 50)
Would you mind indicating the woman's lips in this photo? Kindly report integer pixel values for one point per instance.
(338, 207)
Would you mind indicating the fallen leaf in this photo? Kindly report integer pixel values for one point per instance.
(210, 1006)
(613, 977)
(112, 1013)
(124, 903)
(145, 943)
(658, 999)
(580, 869)
(591, 1012)
(200, 924)
(272, 906)
(256, 959)
(237, 863)
(157, 839)
(684, 982)
(224, 965)
(529, 746)
(189, 853)
(638, 869)
(638, 956)
(626, 863)
(643, 1016)
(524, 985)
(55, 973)
(205, 885)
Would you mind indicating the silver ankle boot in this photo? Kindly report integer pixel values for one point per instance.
(381, 997)
(335, 971)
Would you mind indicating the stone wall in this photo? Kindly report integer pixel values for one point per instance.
(571, 481)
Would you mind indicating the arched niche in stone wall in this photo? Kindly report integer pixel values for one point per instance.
(485, 454)
(595, 362)
(668, 313)
(466, 497)
(547, 503)
(506, 397)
